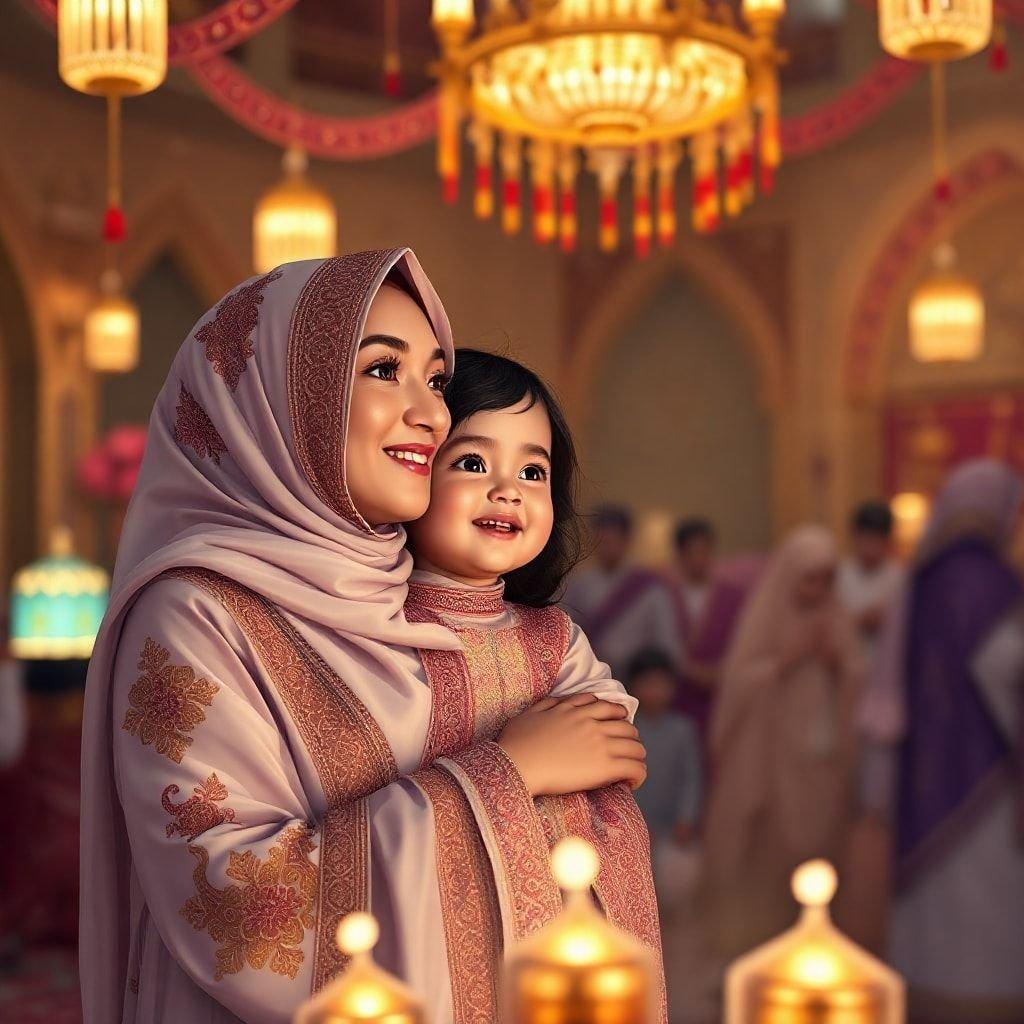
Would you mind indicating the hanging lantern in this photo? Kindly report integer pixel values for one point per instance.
(112, 47)
(812, 973)
(57, 604)
(294, 220)
(112, 330)
(946, 315)
(929, 31)
(363, 992)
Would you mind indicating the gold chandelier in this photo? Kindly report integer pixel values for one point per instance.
(625, 82)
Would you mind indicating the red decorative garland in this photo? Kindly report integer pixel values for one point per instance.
(223, 28)
(332, 138)
(914, 234)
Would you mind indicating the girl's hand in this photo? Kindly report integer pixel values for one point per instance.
(574, 744)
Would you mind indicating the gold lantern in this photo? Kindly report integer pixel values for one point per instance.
(112, 47)
(112, 330)
(812, 973)
(294, 220)
(624, 84)
(910, 515)
(946, 314)
(579, 969)
(364, 993)
(927, 30)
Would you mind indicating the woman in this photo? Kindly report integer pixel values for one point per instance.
(254, 718)
(943, 723)
(782, 742)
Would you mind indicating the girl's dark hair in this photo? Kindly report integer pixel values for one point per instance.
(483, 382)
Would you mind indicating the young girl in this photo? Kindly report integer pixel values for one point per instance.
(490, 555)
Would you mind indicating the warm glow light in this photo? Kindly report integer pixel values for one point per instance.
(112, 47)
(357, 933)
(574, 863)
(816, 966)
(755, 9)
(294, 220)
(930, 31)
(814, 883)
(578, 946)
(452, 12)
(910, 512)
(946, 316)
(112, 335)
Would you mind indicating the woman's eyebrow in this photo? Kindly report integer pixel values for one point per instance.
(388, 341)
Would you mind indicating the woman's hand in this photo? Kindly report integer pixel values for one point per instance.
(574, 744)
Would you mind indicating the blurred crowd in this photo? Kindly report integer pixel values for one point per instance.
(831, 701)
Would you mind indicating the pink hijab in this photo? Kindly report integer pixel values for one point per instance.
(244, 474)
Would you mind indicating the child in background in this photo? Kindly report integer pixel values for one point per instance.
(670, 798)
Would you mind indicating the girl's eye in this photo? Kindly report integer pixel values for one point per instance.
(384, 369)
(440, 381)
(535, 473)
(470, 464)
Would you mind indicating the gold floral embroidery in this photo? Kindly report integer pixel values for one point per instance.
(262, 921)
(228, 336)
(167, 702)
(194, 428)
(330, 718)
(199, 813)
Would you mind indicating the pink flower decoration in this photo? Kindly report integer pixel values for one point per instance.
(96, 474)
(126, 443)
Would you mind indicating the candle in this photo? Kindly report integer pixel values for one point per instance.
(363, 993)
(813, 974)
(579, 969)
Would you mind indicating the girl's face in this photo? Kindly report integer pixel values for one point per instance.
(490, 500)
(397, 417)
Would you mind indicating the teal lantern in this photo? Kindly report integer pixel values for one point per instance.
(57, 604)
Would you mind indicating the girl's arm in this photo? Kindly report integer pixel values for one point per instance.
(582, 672)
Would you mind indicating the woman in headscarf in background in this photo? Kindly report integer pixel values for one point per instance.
(782, 743)
(943, 727)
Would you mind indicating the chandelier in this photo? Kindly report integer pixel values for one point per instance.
(622, 83)
(294, 220)
(931, 30)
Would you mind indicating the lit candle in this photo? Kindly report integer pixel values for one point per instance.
(579, 969)
(363, 993)
(813, 974)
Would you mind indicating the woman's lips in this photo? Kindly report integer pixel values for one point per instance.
(413, 457)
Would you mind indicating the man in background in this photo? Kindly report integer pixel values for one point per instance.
(623, 608)
(870, 575)
(707, 606)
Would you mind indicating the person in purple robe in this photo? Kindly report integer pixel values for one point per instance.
(943, 720)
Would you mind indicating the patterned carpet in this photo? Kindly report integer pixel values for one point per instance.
(42, 989)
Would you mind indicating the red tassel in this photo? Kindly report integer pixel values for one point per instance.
(510, 192)
(450, 187)
(942, 190)
(767, 179)
(114, 229)
(392, 84)
(997, 57)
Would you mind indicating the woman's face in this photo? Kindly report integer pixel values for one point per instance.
(814, 587)
(490, 505)
(397, 418)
